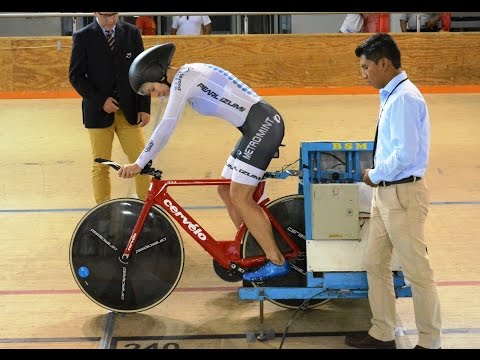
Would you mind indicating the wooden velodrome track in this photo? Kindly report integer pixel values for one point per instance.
(45, 190)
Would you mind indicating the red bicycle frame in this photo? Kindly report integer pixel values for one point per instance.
(225, 253)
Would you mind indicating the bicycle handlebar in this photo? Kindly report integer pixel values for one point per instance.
(149, 170)
(111, 163)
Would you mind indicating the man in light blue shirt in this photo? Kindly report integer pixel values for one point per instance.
(403, 145)
(400, 200)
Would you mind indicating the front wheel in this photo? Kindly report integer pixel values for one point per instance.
(151, 272)
(290, 213)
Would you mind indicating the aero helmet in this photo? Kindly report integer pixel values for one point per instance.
(151, 66)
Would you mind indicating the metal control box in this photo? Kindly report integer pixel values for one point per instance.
(337, 207)
(333, 189)
(335, 210)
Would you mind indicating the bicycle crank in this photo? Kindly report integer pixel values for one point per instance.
(230, 275)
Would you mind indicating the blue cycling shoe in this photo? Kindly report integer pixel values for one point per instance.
(268, 271)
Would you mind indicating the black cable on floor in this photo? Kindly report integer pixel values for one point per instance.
(300, 307)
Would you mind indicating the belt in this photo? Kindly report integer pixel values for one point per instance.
(401, 181)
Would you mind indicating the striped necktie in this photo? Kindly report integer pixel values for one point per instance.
(110, 39)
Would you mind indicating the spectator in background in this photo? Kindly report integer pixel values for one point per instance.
(191, 25)
(378, 22)
(99, 62)
(147, 25)
(353, 23)
(446, 21)
(429, 22)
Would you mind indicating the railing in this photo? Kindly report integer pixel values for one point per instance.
(238, 17)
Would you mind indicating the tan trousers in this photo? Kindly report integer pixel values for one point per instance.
(397, 221)
(132, 141)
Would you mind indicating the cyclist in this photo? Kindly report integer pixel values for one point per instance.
(213, 91)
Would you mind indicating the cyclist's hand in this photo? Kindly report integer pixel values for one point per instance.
(129, 170)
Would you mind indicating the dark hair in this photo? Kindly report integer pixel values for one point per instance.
(380, 46)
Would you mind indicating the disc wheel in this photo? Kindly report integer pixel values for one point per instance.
(289, 211)
(148, 276)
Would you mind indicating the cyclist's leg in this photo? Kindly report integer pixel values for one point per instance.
(241, 191)
(101, 140)
(132, 140)
(257, 223)
(224, 190)
(262, 135)
(256, 220)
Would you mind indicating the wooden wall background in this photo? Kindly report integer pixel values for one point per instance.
(40, 64)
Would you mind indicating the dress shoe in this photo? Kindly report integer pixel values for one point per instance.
(421, 347)
(268, 271)
(364, 341)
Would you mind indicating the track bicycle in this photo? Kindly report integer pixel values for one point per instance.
(127, 255)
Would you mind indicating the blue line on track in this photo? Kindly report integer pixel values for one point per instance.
(196, 207)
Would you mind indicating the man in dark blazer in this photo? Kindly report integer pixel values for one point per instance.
(99, 73)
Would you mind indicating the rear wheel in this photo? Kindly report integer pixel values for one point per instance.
(290, 213)
(151, 272)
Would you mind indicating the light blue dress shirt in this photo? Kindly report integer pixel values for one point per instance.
(403, 143)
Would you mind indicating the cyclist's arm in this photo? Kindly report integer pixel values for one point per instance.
(159, 138)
